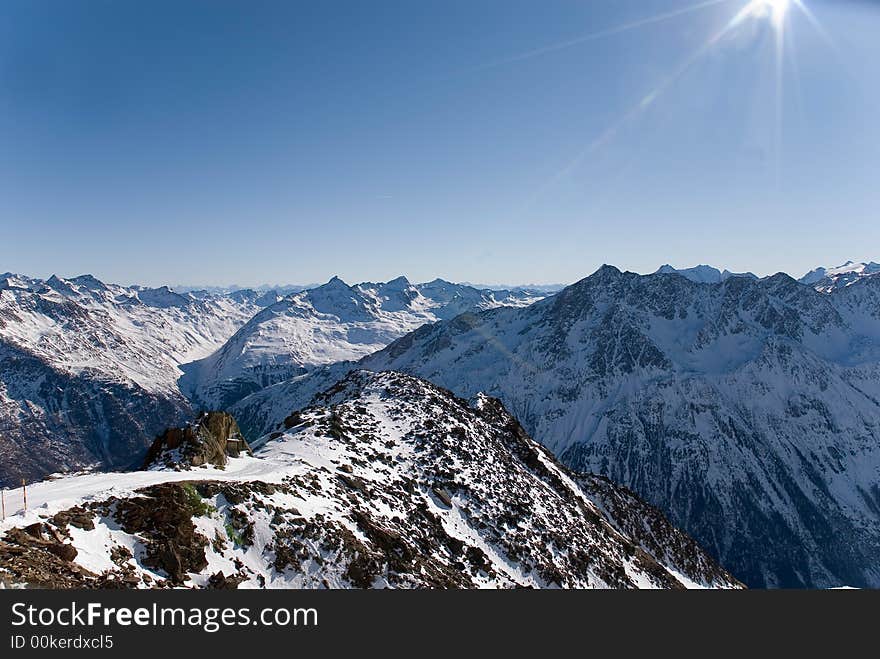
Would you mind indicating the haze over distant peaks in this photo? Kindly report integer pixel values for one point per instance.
(703, 274)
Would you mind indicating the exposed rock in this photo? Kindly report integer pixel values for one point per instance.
(220, 581)
(37, 556)
(162, 518)
(212, 438)
(444, 496)
(76, 516)
(38, 566)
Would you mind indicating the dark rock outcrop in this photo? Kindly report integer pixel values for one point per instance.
(209, 440)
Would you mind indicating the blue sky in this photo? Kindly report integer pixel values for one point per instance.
(495, 141)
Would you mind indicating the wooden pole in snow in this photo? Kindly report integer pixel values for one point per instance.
(3, 500)
(24, 493)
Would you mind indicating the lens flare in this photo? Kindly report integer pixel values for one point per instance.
(774, 10)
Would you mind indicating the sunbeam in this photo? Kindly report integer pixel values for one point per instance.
(775, 10)
(811, 17)
(646, 101)
(779, 18)
(602, 34)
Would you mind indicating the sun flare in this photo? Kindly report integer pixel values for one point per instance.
(774, 10)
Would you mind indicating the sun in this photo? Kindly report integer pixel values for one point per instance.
(773, 10)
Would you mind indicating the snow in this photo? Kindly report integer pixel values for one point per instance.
(829, 279)
(703, 274)
(134, 334)
(51, 496)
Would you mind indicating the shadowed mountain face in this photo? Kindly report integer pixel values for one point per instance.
(747, 410)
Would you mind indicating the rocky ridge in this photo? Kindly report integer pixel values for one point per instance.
(385, 481)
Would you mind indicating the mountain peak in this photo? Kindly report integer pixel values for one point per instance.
(841, 276)
(60, 285)
(398, 282)
(341, 300)
(703, 274)
(607, 271)
(162, 297)
(780, 278)
(334, 286)
(89, 281)
(335, 282)
(500, 474)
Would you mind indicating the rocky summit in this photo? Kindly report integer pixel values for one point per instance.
(207, 441)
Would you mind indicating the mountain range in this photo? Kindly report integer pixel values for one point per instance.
(745, 408)
(330, 323)
(89, 371)
(827, 279)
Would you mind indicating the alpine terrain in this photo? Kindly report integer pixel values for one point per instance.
(384, 481)
(327, 324)
(747, 410)
(88, 371)
(91, 372)
(827, 279)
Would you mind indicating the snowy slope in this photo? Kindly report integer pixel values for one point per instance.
(747, 410)
(89, 370)
(328, 324)
(829, 279)
(386, 481)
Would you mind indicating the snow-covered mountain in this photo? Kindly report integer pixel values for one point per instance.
(386, 481)
(280, 290)
(828, 279)
(88, 370)
(747, 410)
(327, 324)
(703, 274)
